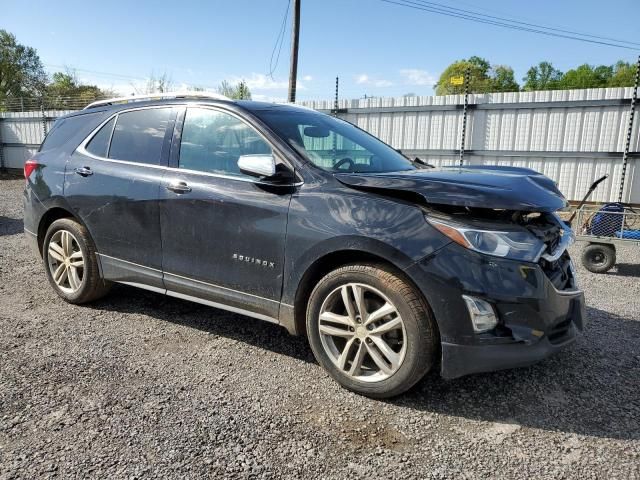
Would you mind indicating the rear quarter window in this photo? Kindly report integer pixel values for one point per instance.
(99, 144)
(66, 129)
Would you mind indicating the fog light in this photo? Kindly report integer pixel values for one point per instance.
(483, 317)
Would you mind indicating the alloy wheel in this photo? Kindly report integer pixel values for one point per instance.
(66, 262)
(362, 332)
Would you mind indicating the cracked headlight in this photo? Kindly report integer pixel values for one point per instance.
(517, 245)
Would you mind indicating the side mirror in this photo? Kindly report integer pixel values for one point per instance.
(257, 165)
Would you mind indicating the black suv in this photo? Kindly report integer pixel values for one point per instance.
(390, 267)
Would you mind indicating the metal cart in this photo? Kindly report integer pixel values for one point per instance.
(604, 227)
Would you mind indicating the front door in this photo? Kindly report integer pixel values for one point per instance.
(112, 183)
(223, 233)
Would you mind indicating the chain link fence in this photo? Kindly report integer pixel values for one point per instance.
(31, 104)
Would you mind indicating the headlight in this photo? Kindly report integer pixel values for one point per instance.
(517, 245)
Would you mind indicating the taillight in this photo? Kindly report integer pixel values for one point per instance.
(29, 167)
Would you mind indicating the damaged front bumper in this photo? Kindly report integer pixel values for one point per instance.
(563, 317)
(535, 319)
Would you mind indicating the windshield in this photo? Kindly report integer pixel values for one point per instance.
(333, 144)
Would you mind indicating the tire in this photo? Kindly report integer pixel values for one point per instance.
(85, 285)
(413, 339)
(599, 257)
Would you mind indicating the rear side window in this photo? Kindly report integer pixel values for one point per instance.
(139, 135)
(65, 129)
(99, 144)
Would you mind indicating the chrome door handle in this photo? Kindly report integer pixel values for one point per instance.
(84, 171)
(179, 187)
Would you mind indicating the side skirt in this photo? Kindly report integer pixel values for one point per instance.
(202, 301)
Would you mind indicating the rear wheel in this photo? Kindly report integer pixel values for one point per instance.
(371, 330)
(599, 257)
(70, 262)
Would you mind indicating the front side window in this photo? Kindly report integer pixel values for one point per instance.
(139, 135)
(213, 141)
(333, 144)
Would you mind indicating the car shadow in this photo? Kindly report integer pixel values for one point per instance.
(626, 270)
(577, 391)
(587, 389)
(10, 226)
(211, 320)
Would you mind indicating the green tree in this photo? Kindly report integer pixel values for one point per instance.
(239, 91)
(483, 77)
(478, 69)
(542, 77)
(502, 79)
(586, 76)
(21, 71)
(66, 91)
(624, 74)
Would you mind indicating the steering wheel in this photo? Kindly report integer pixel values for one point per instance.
(342, 161)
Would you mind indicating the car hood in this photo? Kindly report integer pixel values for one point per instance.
(495, 187)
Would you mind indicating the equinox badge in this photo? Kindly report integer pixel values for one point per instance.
(256, 261)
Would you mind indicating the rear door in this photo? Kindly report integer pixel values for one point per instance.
(112, 184)
(223, 232)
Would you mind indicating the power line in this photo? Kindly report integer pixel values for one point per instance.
(104, 74)
(280, 41)
(474, 18)
(511, 20)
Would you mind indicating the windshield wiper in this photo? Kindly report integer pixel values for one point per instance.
(421, 163)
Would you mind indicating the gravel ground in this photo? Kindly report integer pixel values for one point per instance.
(140, 386)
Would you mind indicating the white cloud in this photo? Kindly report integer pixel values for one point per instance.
(415, 76)
(262, 86)
(121, 89)
(364, 79)
(382, 83)
(260, 81)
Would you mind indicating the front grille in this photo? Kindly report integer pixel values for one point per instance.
(547, 229)
(552, 243)
(559, 272)
(560, 331)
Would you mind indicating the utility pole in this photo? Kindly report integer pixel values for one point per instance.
(295, 38)
(627, 144)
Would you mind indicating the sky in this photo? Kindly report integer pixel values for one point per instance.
(375, 47)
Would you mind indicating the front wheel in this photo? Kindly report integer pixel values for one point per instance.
(371, 330)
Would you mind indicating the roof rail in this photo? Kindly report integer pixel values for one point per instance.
(156, 96)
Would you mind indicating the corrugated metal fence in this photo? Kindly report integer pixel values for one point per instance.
(21, 133)
(573, 136)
